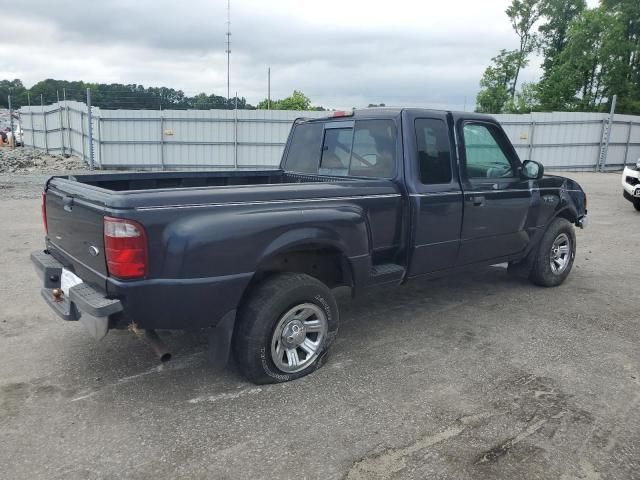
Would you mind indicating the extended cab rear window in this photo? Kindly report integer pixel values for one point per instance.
(365, 148)
(304, 149)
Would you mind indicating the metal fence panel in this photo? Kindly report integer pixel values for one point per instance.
(559, 140)
(253, 139)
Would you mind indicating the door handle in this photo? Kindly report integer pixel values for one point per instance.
(478, 200)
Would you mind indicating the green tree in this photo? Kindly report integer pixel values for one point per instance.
(622, 50)
(590, 55)
(496, 82)
(113, 95)
(16, 89)
(558, 15)
(296, 101)
(523, 15)
(526, 100)
(576, 79)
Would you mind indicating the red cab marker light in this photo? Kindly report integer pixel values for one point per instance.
(125, 247)
(342, 113)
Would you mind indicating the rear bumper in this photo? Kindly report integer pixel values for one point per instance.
(84, 303)
(180, 304)
(81, 299)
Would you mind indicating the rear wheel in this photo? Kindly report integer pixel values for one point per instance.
(556, 253)
(285, 328)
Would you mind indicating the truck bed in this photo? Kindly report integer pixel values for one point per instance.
(76, 205)
(122, 182)
(124, 191)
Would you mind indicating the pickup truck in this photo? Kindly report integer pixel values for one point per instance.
(362, 199)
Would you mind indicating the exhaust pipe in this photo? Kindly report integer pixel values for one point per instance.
(159, 347)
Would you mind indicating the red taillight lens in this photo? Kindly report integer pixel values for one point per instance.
(44, 212)
(125, 247)
(341, 113)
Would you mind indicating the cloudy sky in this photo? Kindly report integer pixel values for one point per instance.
(340, 53)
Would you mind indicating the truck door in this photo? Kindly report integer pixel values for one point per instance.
(434, 192)
(496, 197)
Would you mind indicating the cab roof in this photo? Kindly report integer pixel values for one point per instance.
(392, 112)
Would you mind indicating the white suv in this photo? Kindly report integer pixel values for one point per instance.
(631, 184)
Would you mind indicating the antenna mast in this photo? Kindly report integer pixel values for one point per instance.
(228, 50)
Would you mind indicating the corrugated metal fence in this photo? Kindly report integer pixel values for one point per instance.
(250, 139)
(575, 141)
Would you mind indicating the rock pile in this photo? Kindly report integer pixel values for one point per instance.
(27, 160)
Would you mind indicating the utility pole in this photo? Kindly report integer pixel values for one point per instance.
(269, 88)
(228, 50)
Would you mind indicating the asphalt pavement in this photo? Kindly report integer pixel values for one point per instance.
(473, 376)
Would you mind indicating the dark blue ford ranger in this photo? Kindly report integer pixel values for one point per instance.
(361, 199)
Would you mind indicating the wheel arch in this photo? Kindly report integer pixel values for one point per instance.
(314, 252)
(567, 213)
(322, 259)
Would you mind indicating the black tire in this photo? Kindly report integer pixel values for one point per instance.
(542, 273)
(636, 204)
(262, 312)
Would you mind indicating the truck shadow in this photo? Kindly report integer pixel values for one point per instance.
(429, 306)
(372, 328)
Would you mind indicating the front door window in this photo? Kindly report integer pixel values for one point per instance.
(485, 157)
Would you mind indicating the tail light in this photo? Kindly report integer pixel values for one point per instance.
(44, 212)
(125, 247)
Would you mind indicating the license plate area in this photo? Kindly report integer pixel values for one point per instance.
(68, 279)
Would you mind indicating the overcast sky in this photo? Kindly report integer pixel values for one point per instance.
(340, 53)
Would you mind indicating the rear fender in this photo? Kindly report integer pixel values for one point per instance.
(344, 227)
(345, 230)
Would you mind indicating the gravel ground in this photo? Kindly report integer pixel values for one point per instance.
(477, 376)
(27, 160)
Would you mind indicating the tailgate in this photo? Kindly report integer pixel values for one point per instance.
(76, 229)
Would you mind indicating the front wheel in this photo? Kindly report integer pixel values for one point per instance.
(636, 203)
(556, 253)
(285, 328)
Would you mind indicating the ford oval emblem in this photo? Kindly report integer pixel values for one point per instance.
(93, 251)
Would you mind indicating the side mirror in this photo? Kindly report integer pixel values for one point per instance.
(532, 170)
